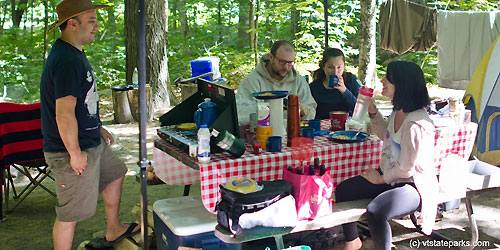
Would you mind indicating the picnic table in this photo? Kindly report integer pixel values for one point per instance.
(345, 160)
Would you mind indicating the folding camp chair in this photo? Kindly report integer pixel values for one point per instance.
(21, 146)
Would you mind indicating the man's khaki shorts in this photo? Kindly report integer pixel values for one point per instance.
(77, 194)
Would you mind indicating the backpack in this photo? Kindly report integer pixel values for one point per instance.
(237, 211)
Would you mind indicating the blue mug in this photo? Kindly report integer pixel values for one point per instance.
(307, 132)
(315, 124)
(333, 81)
(273, 144)
(206, 113)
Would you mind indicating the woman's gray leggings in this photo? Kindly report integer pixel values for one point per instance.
(388, 202)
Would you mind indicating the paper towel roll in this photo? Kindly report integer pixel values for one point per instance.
(276, 107)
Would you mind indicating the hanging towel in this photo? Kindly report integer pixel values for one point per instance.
(463, 38)
(406, 26)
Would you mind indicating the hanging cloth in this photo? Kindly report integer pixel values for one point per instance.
(406, 26)
(463, 39)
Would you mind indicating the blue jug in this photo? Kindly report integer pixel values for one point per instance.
(206, 113)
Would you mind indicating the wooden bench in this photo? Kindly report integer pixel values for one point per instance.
(343, 212)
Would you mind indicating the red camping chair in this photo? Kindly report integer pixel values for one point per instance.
(21, 146)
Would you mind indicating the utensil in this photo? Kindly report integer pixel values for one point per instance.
(356, 135)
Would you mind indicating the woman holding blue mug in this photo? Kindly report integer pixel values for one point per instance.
(332, 88)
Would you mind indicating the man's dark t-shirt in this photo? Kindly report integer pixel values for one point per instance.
(68, 72)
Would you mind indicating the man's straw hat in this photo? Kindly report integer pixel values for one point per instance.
(71, 8)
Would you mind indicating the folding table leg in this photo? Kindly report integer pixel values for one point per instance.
(186, 189)
(472, 221)
(279, 242)
(2, 181)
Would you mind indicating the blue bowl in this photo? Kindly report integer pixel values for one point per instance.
(334, 136)
(274, 94)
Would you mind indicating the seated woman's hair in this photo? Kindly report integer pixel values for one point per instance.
(319, 74)
(411, 91)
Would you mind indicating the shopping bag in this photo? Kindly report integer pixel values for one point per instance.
(312, 193)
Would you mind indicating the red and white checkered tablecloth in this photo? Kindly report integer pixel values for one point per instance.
(454, 140)
(345, 160)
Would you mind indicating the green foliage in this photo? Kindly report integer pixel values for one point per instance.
(22, 55)
(22, 50)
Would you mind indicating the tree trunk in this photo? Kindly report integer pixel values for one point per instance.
(174, 15)
(294, 21)
(111, 21)
(4, 14)
(268, 25)
(112, 26)
(243, 37)
(183, 17)
(131, 42)
(17, 13)
(367, 51)
(157, 56)
(156, 50)
(251, 24)
(45, 27)
(256, 34)
(219, 20)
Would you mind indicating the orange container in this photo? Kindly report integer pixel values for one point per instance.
(262, 134)
(338, 119)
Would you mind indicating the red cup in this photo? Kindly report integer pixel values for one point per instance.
(338, 119)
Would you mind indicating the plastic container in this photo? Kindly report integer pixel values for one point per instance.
(229, 142)
(135, 79)
(203, 144)
(361, 108)
(204, 65)
(184, 221)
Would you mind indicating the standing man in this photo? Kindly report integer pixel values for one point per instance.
(74, 142)
(275, 72)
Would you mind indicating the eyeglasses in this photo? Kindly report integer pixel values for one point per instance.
(284, 62)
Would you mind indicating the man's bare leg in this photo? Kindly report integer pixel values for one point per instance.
(111, 196)
(62, 234)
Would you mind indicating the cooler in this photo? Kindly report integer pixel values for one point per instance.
(183, 221)
(204, 65)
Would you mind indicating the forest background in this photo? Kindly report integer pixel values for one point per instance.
(178, 31)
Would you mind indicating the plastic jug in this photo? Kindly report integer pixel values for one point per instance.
(203, 144)
(206, 113)
(361, 108)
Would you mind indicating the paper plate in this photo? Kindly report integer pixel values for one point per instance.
(347, 136)
(266, 95)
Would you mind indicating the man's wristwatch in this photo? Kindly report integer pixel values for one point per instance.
(372, 115)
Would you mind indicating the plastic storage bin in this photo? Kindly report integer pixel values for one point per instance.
(482, 175)
(204, 65)
(183, 221)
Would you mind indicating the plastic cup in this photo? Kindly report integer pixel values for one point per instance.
(307, 132)
(338, 119)
(262, 134)
(315, 124)
(274, 144)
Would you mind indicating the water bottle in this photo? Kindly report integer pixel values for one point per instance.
(203, 144)
(361, 108)
(135, 79)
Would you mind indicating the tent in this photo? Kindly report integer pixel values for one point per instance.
(482, 97)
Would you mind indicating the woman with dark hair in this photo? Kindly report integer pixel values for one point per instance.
(406, 179)
(339, 98)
